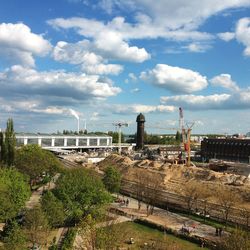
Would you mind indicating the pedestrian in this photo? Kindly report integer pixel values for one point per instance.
(216, 231)
(127, 202)
(202, 244)
(220, 231)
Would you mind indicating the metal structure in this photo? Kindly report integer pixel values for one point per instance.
(226, 149)
(186, 135)
(140, 131)
(52, 142)
(119, 125)
(181, 120)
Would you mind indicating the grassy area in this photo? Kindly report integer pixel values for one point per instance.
(208, 221)
(152, 237)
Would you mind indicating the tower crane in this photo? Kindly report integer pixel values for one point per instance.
(119, 125)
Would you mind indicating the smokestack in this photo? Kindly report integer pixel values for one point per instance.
(140, 131)
(73, 112)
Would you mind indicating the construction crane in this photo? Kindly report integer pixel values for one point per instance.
(119, 125)
(186, 135)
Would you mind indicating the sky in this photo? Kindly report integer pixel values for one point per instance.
(108, 60)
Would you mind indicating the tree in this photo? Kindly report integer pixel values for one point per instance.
(101, 233)
(227, 199)
(14, 238)
(112, 179)
(2, 148)
(245, 213)
(36, 226)
(178, 136)
(191, 194)
(34, 161)
(147, 189)
(81, 192)
(238, 239)
(7, 144)
(53, 209)
(14, 192)
(115, 136)
(204, 196)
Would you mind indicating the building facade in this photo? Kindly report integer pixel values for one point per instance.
(226, 149)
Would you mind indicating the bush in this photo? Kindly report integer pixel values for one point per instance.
(69, 239)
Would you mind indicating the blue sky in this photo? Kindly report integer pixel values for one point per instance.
(108, 60)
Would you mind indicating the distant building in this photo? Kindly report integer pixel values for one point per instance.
(50, 142)
(226, 149)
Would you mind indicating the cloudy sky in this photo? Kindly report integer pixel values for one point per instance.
(109, 60)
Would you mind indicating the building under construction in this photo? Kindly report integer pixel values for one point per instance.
(226, 149)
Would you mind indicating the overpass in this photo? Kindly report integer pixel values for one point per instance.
(60, 142)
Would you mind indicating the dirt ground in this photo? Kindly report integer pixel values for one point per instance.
(173, 177)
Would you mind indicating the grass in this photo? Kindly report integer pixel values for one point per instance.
(208, 221)
(143, 234)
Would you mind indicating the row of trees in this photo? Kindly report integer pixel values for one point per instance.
(7, 144)
(156, 139)
(36, 163)
(79, 194)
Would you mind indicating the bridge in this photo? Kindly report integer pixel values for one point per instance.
(60, 142)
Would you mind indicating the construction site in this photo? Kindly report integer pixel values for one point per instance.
(169, 178)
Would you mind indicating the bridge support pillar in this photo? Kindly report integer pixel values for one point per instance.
(25, 141)
(65, 142)
(40, 142)
(53, 142)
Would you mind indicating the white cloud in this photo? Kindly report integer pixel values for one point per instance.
(225, 81)
(226, 36)
(140, 108)
(236, 100)
(197, 47)
(132, 76)
(135, 90)
(19, 44)
(20, 81)
(84, 54)
(175, 79)
(112, 45)
(196, 102)
(118, 29)
(177, 13)
(172, 20)
(102, 69)
(242, 34)
(108, 40)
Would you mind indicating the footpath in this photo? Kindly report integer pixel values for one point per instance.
(168, 220)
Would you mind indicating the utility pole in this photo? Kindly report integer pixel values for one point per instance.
(120, 125)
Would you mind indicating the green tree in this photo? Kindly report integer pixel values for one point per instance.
(82, 192)
(238, 239)
(53, 208)
(7, 144)
(14, 192)
(14, 238)
(2, 148)
(178, 136)
(115, 136)
(112, 179)
(36, 226)
(34, 161)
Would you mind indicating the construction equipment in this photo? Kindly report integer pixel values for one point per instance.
(186, 135)
(119, 125)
